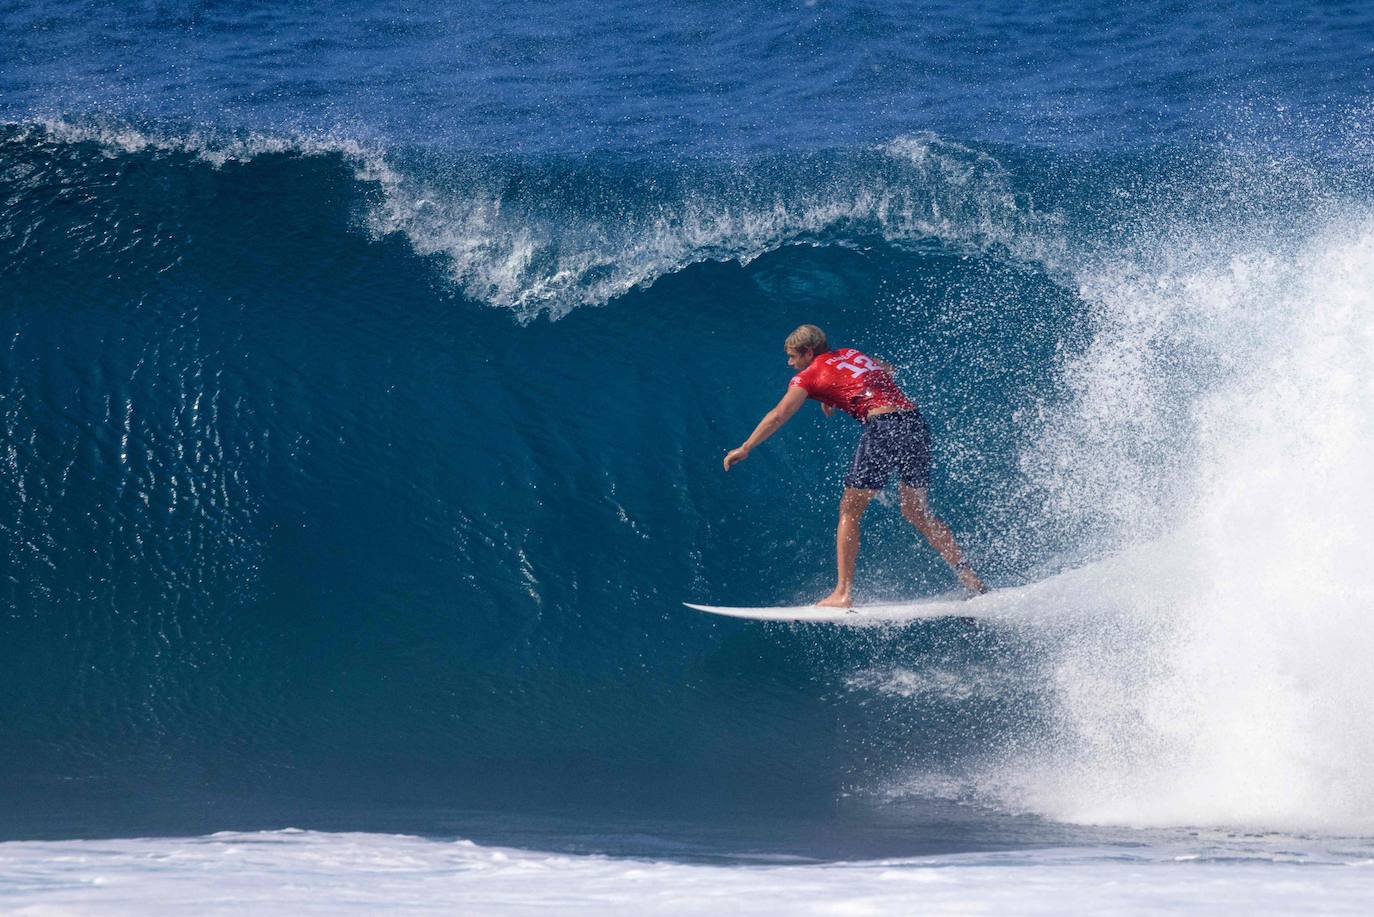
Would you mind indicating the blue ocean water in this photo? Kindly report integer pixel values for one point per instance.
(367, 369)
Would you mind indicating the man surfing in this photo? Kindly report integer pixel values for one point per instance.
(895, 439)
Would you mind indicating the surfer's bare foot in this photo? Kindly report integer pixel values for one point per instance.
(837, 599)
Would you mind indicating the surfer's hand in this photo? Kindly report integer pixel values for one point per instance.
(829, 409)
(735, 456)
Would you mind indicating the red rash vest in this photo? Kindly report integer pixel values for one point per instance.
(850, 381)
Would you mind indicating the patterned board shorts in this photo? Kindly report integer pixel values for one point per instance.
(897, 442)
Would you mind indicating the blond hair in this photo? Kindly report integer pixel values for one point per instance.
(807, 337)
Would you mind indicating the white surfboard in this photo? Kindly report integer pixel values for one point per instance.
(952, 605)
(1087, 591)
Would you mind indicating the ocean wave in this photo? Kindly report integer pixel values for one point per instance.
(544, 237)
(1183, 399)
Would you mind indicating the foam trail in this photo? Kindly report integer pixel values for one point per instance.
(1227, 408)
(287, 872)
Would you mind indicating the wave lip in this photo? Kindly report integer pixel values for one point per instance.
(548, 254)
(542, 237)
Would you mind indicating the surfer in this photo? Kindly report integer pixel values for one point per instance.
(895, 438)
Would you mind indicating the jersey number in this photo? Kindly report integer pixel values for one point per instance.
(858, 365)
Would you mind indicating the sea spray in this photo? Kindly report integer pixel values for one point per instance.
(1224, 412)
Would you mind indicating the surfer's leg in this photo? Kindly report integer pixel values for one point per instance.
(916, 509)
(852, 506)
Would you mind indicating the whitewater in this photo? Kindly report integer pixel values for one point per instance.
(305, 872)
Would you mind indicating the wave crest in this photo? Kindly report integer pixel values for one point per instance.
(542, 237)
(583, 239)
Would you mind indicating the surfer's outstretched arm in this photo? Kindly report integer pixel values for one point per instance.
(771, 423)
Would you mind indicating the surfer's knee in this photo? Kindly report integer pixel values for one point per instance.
(915, 507)
(854, 502)
(851, 510)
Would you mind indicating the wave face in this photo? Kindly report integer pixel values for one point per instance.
(345, 477)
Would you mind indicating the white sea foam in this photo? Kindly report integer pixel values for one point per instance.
(212, 148)
(546, 260)
(294, 872)
(1224, 413)
(534, 257)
